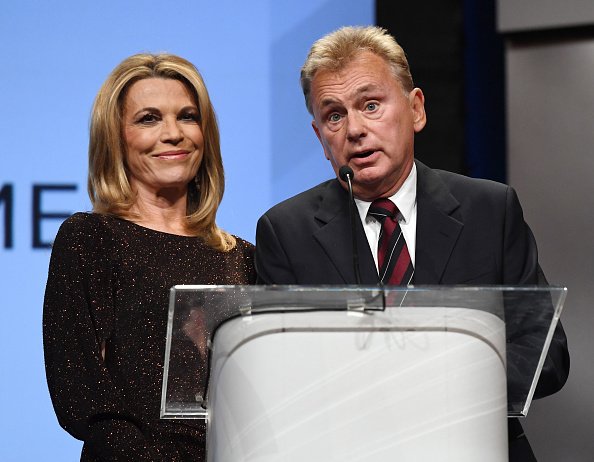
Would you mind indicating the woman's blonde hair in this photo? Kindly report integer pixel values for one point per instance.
(108, 185)
(335, 50)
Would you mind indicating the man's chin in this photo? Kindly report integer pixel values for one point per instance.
(370, 188)
(367, 192)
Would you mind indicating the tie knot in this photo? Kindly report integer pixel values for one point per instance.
(382, 208)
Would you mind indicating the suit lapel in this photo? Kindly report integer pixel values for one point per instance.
(334, 236)
(437, 228)
(437, 231)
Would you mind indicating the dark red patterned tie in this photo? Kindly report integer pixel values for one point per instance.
(393, 259)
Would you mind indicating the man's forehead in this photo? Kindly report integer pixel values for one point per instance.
(350, 83)
(364, 63)
(330, 97)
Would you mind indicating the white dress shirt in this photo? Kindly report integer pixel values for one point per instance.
(406, 201)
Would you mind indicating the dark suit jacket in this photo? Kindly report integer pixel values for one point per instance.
(469, 231)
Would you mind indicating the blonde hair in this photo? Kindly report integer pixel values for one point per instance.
(108, 185)
(335, 50)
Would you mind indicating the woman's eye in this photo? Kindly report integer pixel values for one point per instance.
(148, 119)
(190, 117)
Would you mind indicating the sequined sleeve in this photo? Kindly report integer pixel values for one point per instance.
(77, 318)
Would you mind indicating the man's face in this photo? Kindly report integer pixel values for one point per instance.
(364, 119)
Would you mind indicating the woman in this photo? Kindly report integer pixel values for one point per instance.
(155, 182)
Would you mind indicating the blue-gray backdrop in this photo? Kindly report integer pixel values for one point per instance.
(56, 55)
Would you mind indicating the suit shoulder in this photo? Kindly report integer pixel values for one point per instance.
(477, 187)
(305, 201)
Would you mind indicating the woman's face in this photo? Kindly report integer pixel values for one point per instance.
(164, 141)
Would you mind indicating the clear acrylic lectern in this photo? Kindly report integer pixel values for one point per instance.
(329, 373)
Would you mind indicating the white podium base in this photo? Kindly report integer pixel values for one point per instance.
(410, 384)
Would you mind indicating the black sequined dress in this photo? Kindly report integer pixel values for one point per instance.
(108, 286)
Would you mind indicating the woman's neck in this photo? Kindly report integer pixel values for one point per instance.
(161, 212)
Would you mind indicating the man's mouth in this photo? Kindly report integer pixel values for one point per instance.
(363, 154)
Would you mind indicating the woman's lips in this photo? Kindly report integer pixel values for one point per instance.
(172, 155)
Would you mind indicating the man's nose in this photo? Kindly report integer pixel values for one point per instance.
(356, 126)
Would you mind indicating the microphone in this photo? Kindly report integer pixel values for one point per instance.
(346, 174)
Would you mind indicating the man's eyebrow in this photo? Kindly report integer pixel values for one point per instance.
(367, 88)
(327, 101)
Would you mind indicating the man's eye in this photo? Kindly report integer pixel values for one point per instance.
(334, 117)
(371, 107)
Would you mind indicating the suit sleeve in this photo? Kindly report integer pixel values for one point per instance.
(272, 263)
(76, 322)
(528, 324)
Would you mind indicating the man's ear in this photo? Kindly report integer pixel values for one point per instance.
(317, 131)
(417, 104)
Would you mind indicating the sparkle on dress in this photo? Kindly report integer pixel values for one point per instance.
(108, 284)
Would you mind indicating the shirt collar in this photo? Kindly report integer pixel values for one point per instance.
(405, 198)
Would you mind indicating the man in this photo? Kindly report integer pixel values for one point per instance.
(446, 229)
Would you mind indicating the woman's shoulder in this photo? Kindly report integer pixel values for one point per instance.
(244, 261)
(86, 222)
(244, 247)
(84, 228)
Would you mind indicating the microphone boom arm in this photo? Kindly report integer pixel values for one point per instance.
(346, 174)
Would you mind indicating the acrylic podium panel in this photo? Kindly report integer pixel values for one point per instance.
(343, 373)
